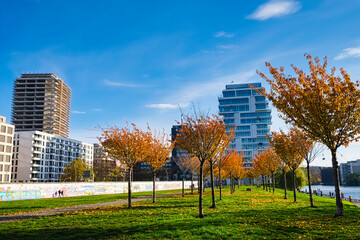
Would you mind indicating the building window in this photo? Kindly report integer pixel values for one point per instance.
(243, 93)
(261, 106)
(260, 99)
(241, 108)
(242, 134)
(229, 93)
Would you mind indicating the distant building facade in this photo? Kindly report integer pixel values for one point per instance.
(247, 113)
(6, 150)
(104, 164)
(42, 157)
(327, 175)
(351, 167)
(41, 102)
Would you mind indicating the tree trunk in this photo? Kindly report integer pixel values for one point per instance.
(263, 180)
(129, 189)
(232, 184)
(183, 184)
(294, 184)
(213, 205)
(309, 183)
(266, 186)
(192, 183)
(199, 184)
(273, 179)
(220, 183)
(269, 181)
(285, 185)
(154, 187)
(204, 184)
(201, 213)
(339, 205)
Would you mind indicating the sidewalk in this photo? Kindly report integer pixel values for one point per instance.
(51, 212)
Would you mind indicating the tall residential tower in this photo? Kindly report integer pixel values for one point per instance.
(41, 102)
(247, 112)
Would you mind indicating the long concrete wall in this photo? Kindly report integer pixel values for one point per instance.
(24, 191)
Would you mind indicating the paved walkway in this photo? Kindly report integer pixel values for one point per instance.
(51, 212)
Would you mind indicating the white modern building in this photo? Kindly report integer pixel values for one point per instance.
(351, 167)
(42, 157)
(247, 113)
(6, 150)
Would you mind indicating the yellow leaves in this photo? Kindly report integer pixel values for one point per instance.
(132, 145)
(266, 162)
(323, 105)
(158, 149)
(233, 164)
(204, 137)
(291, 146)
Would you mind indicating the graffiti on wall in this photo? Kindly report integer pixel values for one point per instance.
(11, 192)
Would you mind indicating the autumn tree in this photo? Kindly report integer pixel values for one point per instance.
(157, 153)
(116, 173)
(309, 150)
(203, 137)
(185, 162)
(129, 145)
(223, 156)
(267, 162)
(74, 172)
(286, 147)
(234, 167)
(325, 106)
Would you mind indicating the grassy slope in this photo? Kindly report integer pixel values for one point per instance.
(15, 207)
(243, 215)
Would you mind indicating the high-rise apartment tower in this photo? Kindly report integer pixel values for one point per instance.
(247, 112)
(41, 102)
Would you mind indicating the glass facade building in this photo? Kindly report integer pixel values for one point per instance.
(247, 113)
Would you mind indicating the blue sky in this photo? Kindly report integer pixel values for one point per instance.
(138, 61)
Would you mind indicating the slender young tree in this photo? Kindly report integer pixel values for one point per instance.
(222, 159)
(234, 167)
(286, 147)
(185, 163)
(129, 145)
(157, 154)
(326, 107)
(203, 137)
(309, 150)
(268, 162)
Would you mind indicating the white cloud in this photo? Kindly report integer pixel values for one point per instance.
(78, 112)
(275, 8)
(348, 52)
(121, 84)
(227, 46)
(167, 105)
(96, 110)
(223, 34)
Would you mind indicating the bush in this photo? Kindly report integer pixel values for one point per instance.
(301, 179)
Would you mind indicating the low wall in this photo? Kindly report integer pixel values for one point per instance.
(24, 191)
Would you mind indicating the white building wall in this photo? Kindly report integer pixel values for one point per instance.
(6, 150)
(42, 157)
(247, 112)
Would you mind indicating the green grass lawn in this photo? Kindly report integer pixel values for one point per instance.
(15, 207)
(243, 215)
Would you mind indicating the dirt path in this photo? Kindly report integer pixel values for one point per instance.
(51, 212)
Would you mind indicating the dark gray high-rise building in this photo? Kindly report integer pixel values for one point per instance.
(41, 102)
